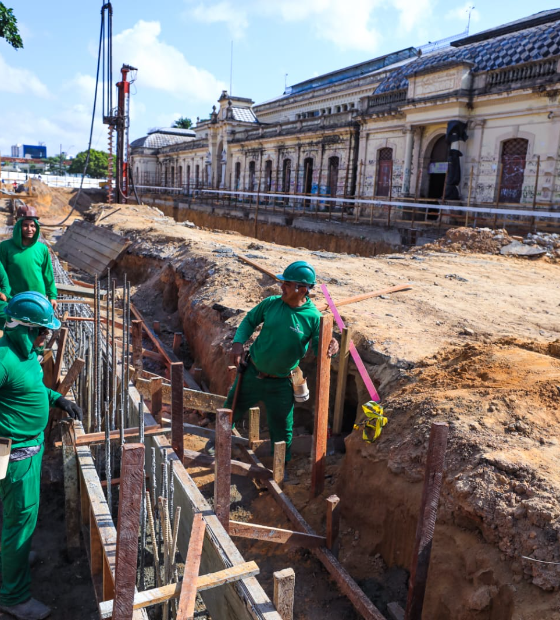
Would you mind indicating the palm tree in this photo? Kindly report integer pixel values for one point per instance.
(182, 123)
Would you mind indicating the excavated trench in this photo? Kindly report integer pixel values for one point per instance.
(476, 571)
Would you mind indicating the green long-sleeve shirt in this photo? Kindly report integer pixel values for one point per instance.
(24, 399)
(284, 337)
(29, 268)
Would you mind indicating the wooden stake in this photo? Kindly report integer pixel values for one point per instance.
(71, 376)
(352, 300)
(177, 340)
(427, 520)
(284, 590)
(276, 535)
(341, 382)
(254, 426)
(187, 599)
(177, 409)
(157, 328)
(156, 398)
(279, 461)
(222, 468)
(137, 345)
(59, 355)
(333, 522)
(132, 473)
(319, 454)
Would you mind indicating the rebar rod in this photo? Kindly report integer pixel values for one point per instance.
(107, 340)
(155, 551)
(143, 499)
(171, 493)
(127, 408)
(113, 359)
(121, 408)
(108, 459)
(95, 355)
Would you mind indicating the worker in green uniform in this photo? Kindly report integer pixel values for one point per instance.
(289, 323)
(5, 294)
(27, 261)
(24, 412)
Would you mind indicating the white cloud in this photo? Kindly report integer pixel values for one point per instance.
(235, 18)
(82, 87)
(163, 67)
(348, 27)
(21, 81)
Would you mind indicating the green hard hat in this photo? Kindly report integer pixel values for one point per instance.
(33, 309)
(300, 272)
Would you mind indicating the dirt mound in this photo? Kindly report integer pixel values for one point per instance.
(500, 492)
(466, 240)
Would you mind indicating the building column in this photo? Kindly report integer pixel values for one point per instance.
(417, 160)
(409, 132)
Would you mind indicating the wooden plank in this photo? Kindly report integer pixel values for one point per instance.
(177, 409)
(395, 611)
(77, 290)
(257, 266)
(319, 453)
(137, 345)
(343, 579)
(71, 492)
(86, 302)
(338, 414)
(187, 599)
(87, 439)
(132, 474)
(284, 592)
(197, 459)
(153, 356)
(192, 399)
(157, 596)
(177, 341)
(62, 338)
(275, 535)
(352, 300)
(279, 461)
(222, 467)
(156, 398)
(71, 376)
(254, 426)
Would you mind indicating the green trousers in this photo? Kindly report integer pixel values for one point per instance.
(277, 396)
(19, 492)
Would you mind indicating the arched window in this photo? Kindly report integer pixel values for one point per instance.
(197, 176)
(384, 171)
(268, 175)
(237, 174)
(514, 157)
(252, 167)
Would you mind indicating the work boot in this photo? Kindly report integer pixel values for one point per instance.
(210, 447)
(32, 609)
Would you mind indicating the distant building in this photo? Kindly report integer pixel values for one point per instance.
(476, 120)
(29, 151)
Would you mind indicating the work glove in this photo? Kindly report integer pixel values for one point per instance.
(71, 408)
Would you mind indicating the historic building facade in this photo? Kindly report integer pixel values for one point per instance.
(477, 121)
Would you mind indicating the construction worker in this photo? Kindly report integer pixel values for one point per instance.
(26, 260)
(5, 294)
(24, 411)
(289, 323)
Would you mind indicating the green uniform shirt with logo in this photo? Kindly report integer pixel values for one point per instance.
(278, 349)
(29, 268)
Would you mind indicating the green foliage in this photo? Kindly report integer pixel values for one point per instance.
(182, 123)
(97, 167)
(8, 27)
(55, 164)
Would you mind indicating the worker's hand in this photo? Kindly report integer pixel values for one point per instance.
(333, 348)
(3, 297)
(54, 304)
(71, 408)
(237, 351)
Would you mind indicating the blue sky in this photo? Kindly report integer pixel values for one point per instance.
(182, 52)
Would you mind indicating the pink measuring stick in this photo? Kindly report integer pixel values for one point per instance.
(351, 348)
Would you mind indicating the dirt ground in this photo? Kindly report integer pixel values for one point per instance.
(474, 343)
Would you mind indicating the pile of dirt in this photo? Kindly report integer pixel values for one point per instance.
(469, 240)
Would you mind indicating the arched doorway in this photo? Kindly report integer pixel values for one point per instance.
(252, 169)
(437, 168)
(332, 175)
(514, 157)
(286, 175)
(384, 171)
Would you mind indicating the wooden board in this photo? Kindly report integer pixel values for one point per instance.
(90, 247)
(192, 399)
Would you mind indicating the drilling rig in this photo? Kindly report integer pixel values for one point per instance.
(118, 119)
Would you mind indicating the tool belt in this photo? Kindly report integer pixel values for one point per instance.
(265, 375)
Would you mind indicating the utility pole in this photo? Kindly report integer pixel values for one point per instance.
(60, 161)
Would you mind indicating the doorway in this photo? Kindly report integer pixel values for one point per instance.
(437, 169)
(514, 157)
(384, 172)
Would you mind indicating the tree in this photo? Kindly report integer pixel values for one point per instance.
(8, 27)
(54, 165)
(97, 167)
(182, 123)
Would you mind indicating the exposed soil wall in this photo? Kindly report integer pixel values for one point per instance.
(282, 234)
